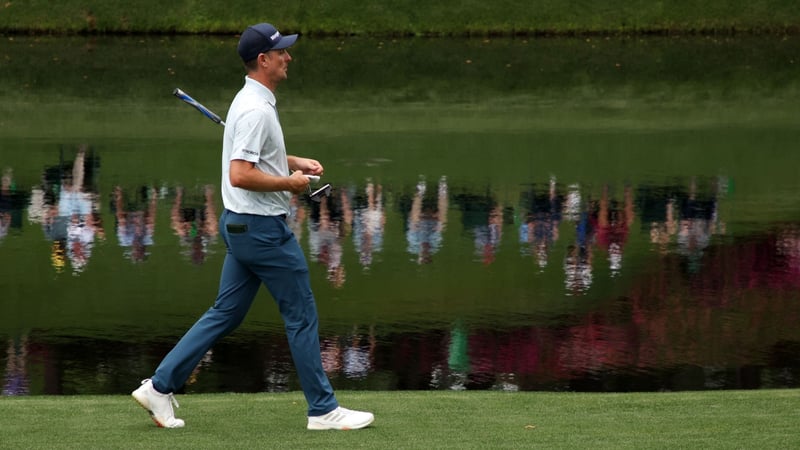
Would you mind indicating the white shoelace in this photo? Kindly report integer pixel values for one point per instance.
(174, 400)
(170, 395)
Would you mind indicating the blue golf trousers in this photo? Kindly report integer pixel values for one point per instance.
(260, 249)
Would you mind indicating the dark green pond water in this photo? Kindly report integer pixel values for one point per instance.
(544, 214)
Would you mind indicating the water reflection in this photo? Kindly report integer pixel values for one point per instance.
(346, 212)
(194, 220)
(12, 203)
(16, 377)
(351, 356)
(66, 204)
(541, 211)
(369, 222)
(427, 219)
(135, 215)
(330, 222)
(676, 303)
(578, 264)
(482, 218)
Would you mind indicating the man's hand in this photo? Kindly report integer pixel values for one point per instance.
(298, 182)
(306, 165)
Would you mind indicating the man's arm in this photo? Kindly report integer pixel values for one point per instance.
(245, 175)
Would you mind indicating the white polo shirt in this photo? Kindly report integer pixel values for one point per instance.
(253, 133)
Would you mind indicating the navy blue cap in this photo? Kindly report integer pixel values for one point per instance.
(262, 38)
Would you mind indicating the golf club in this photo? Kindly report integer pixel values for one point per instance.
(206, 112)
(324, 191)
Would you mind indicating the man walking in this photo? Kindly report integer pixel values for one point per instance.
(258, 180)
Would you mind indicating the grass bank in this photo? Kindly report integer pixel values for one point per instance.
(403, 17)
(716, 419)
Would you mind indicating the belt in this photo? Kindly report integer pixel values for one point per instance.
(237, 228)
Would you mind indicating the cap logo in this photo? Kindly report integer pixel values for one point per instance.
(261, 38)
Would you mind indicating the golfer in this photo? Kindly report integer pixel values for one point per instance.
(258, 180)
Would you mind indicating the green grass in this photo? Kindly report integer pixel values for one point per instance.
(402, 17)
(713, 419)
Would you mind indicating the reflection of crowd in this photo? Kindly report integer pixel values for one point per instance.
(330, 223)
(361, 213)
(578, 260)
(541, 210)
(613, 222)
(352, 356)
(136, 221)
(652, 339)
(574, 228)
(66, 204)
(16, 375)
(368, 223)
(426, 221)
(698, 222)
(788, 247)
(482, 215)
(12, 203)
(678, 217)
(195, 223)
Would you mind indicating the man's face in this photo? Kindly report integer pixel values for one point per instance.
(278, 64)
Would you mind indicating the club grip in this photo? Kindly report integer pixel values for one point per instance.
(206, 112)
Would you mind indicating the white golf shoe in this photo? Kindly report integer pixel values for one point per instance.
(340, 419)
(158, 405)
